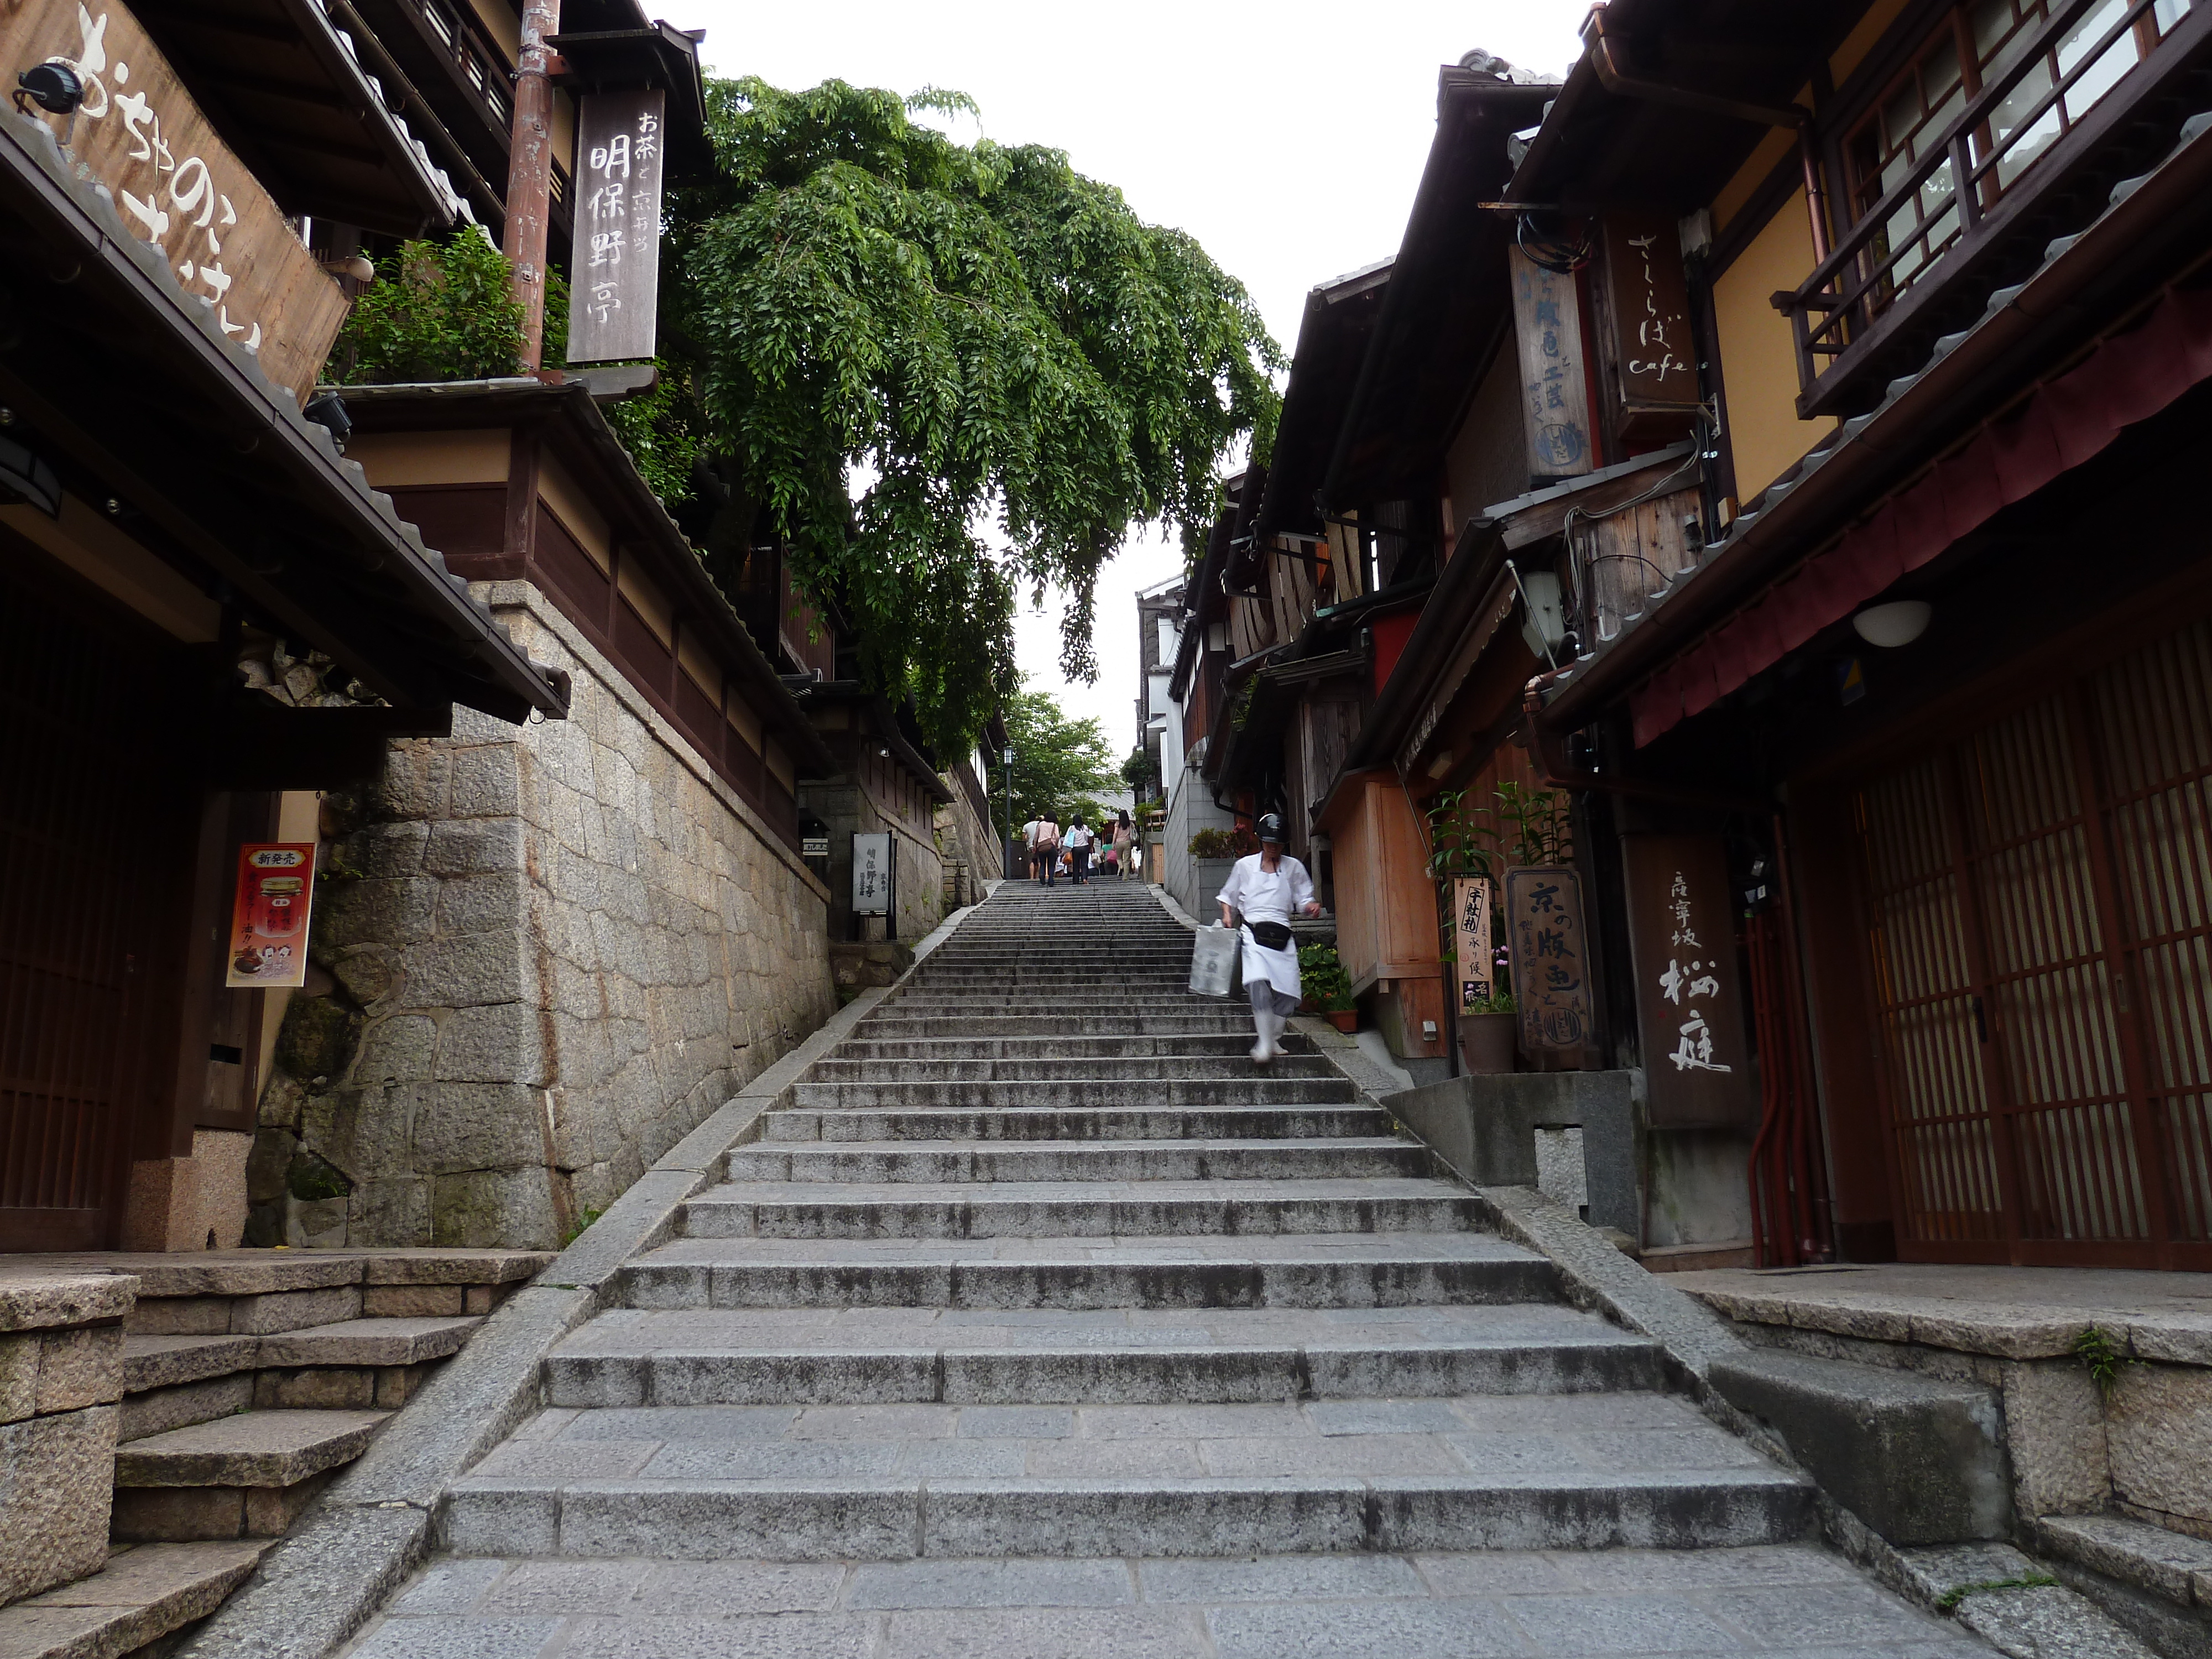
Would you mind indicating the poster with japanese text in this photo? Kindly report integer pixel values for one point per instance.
(268, 943)
(1689, 996)
(1548, 951)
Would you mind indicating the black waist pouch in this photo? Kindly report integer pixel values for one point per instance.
(1269, 935)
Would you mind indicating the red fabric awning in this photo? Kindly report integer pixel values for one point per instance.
(2127, 379)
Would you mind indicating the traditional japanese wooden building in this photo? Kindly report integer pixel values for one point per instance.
(1925, 705)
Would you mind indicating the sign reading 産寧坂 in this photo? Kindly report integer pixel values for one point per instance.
(268, 943)
(1549, 951)
(1681, 936)
(138, 132)
(872, 874)
(1478, 971)
(614, 270)
(1554, 397)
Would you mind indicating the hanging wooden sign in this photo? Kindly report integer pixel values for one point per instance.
(1554, 395)
(1548, 950)
(137, 132)
(1689, 998)
(1478, 971)
(614, 289)
(1654, 364)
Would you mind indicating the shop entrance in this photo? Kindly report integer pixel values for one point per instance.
(2037, 898)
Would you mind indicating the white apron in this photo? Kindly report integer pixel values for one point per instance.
(1260, 896)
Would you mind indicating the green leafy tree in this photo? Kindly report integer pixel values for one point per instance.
(438, 311)
(949, 373)
(1058, 763)
(1137, 772)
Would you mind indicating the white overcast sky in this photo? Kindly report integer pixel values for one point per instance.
(1287, 137)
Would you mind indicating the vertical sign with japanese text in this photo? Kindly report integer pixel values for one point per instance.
(1549, 951)
(1554, 395)
(268, 943)
(614, 272)
(1652, 354)
(872, 874)
(136, 133)
(1689, 998)
(1478, 970)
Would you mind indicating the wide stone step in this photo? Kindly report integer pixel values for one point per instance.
(1046, 1209)
(1091, 1091)
(1217, 1019)
(1233, 1066)
(1335, 1270)
(892, 1482)
(880, 1356)
(1192, 1044)
(1076, 1123)
(1323, 1158)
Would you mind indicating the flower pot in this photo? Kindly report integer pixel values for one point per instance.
(1345, 1019)
(1486, 1042)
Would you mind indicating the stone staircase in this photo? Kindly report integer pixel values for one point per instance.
(240, 1383)
(1037, 1263)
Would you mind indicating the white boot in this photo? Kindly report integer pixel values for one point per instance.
(1264, 1050)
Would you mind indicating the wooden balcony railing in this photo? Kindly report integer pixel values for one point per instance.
(1969, 185)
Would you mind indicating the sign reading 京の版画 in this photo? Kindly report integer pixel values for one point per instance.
(136, 133)
(1478, 972)
(1689, 999)
(872, 874)
(1548, 950)
(614, 277)
(1554, 397)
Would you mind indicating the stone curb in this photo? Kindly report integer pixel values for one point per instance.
(376, 1525)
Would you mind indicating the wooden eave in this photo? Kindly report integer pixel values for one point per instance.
(884, 728)
(564, 419)
(132, 381)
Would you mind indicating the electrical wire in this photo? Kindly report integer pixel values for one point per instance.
(1560, 257)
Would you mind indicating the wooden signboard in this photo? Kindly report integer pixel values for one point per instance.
(138, 134)
(1653, 363)
(614, 296)
(1689, 998)
(1549, 951)
(1554, 395)
(1477, 970)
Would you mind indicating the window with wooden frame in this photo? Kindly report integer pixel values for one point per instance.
(1973, 44)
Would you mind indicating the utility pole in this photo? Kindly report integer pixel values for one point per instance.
(1006, 760)
(529, 174)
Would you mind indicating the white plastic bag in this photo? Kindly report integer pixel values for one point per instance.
(1214, 962)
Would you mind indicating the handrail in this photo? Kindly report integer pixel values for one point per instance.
(1954, 150)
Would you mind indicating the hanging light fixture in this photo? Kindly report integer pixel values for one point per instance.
(1893, 625)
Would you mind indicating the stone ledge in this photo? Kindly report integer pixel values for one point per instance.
(367, 1342)
(2171, 1565)
(143, 1593)
(162, 1362)
(253, 1448)
(31, 1299)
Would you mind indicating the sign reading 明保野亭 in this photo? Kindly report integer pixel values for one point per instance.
(614, 276)
(872, 874)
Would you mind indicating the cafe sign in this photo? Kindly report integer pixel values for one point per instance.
(125, 123)
(613, 298)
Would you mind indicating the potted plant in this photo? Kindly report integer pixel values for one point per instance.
(1327, 986)
(1473, 837)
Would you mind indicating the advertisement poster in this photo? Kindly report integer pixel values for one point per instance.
(268, 916)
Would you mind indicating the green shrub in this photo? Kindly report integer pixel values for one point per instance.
(1321, 972)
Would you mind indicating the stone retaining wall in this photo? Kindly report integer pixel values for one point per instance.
(542, 954)
(61, 1375)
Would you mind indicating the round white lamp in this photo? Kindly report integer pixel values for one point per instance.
(1898, 623)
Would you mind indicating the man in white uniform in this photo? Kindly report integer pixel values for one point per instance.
(1269, 888)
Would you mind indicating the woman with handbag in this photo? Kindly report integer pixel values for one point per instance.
(1269, 887)
(1123, 839)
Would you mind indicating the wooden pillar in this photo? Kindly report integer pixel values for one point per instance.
(529, 174)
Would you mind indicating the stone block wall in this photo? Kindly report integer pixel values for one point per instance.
(61, 1377)
(1191, 809)
(541, 955)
